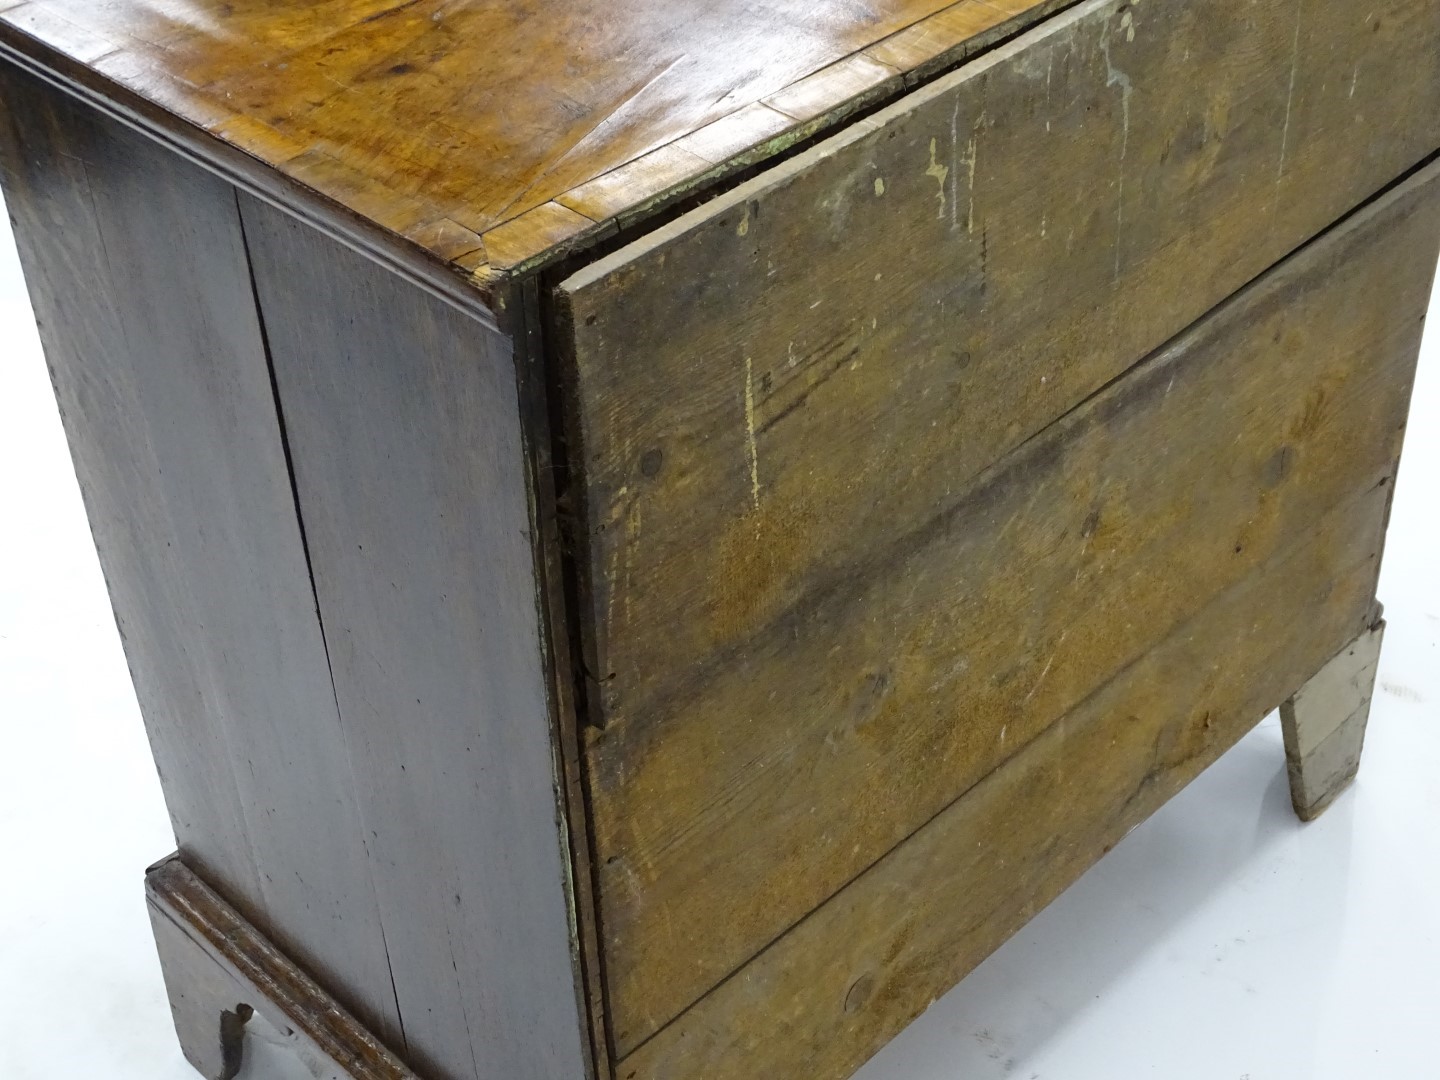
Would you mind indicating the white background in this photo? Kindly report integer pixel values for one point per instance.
(1221, 941)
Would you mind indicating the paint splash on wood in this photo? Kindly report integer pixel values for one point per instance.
(940, 173)
(752, 451)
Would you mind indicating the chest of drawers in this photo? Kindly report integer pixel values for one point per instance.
(650, 541)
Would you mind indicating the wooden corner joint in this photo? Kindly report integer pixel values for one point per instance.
(235, 996)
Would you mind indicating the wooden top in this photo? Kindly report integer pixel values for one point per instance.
(491, 135)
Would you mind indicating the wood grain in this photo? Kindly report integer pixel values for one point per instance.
(403, 420)
(138, 274)
(879, 527)
(465, 111)
(1019, 311)
(944, 38)
(853, 82)
(831, 992)
(815, 629)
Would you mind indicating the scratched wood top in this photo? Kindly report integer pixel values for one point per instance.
(493, 136)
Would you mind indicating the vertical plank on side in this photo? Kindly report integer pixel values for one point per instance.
(403, 420)
(137, 270)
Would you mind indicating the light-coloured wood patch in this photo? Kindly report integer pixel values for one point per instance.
(1324, 724)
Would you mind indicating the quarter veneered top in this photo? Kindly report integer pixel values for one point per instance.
(493, 133)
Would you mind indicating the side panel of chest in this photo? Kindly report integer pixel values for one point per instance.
(812, 617)
(308, 486)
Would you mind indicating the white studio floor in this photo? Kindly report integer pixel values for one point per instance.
(1221, 941)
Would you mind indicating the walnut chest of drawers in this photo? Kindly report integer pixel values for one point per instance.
(651, 538)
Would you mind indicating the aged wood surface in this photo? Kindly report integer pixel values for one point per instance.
(1313, 364)
(138, 274)
(226, 983)
(938, 41)
(835, 989)
(782, 399)
(1324, 724)
(403, 423)
(441, 120)
(395, 832)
